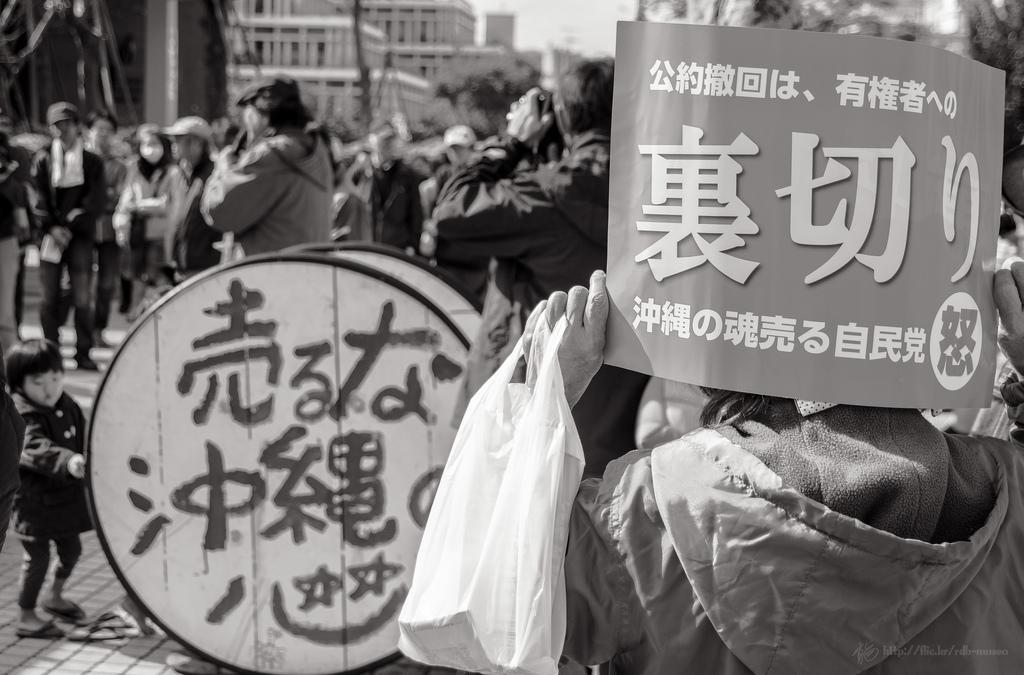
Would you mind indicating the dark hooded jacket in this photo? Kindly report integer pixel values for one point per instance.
(50, 502)
(547, 227)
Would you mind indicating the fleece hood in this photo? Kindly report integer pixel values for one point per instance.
(792, 586)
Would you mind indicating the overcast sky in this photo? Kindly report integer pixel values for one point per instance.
(588, 26)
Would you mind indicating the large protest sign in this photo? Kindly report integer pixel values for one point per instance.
(804, 215)
(268, 441)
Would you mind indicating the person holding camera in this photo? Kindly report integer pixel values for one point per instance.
(72, 193)
(546, 224)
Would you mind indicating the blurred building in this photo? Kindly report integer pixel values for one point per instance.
(313, 41)
(535, 57)
(429, 38)
(500, 29)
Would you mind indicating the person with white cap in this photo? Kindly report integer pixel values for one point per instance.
(459, 143)
(193, 248)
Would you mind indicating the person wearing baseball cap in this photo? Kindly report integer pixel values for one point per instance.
(472, 271)
(72, 195)
(273, 189)
(193, 248)
(458, 144)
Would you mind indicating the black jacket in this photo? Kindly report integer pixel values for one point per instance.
(396, 213)
(12, 435)
(13, 193)
(193, 236)
(50, 502)
(53, 206)
(547, 227)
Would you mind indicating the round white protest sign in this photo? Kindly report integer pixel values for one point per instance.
(267, 443)
(443, 289)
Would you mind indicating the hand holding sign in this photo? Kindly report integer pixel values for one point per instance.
(582, 350)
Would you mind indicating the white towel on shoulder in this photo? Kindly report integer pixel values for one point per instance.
(67, 169)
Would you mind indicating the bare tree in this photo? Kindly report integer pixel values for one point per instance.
(365, 105)
(767, 13)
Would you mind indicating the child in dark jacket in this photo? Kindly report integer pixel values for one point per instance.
(50, 504)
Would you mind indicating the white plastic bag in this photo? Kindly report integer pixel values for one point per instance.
(488, 591)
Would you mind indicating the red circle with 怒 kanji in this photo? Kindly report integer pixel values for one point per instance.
(265, 446)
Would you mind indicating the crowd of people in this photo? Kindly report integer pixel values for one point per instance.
(516, 221)
(114, 226)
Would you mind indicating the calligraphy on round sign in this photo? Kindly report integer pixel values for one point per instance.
(271, 438)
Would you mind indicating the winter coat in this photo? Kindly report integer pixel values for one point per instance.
(275, 195)
(396, 213)
(50, 503)
(193, 237)
(166, 184)
(76, 208)
(856, 540)
(547, 227)
(116, 175)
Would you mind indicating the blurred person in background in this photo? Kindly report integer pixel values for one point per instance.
(390, 189)
(20, 153)
(14, 229)
(102, 126)
(71, 194)
(472, 272)
(145, 214)
(273, 188)
(193, 248)
(547, 227)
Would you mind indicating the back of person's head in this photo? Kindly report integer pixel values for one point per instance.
(725, 407)
(29, 358)
(585, 95)
(98, 115)
(290, 115)
(280, 99)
